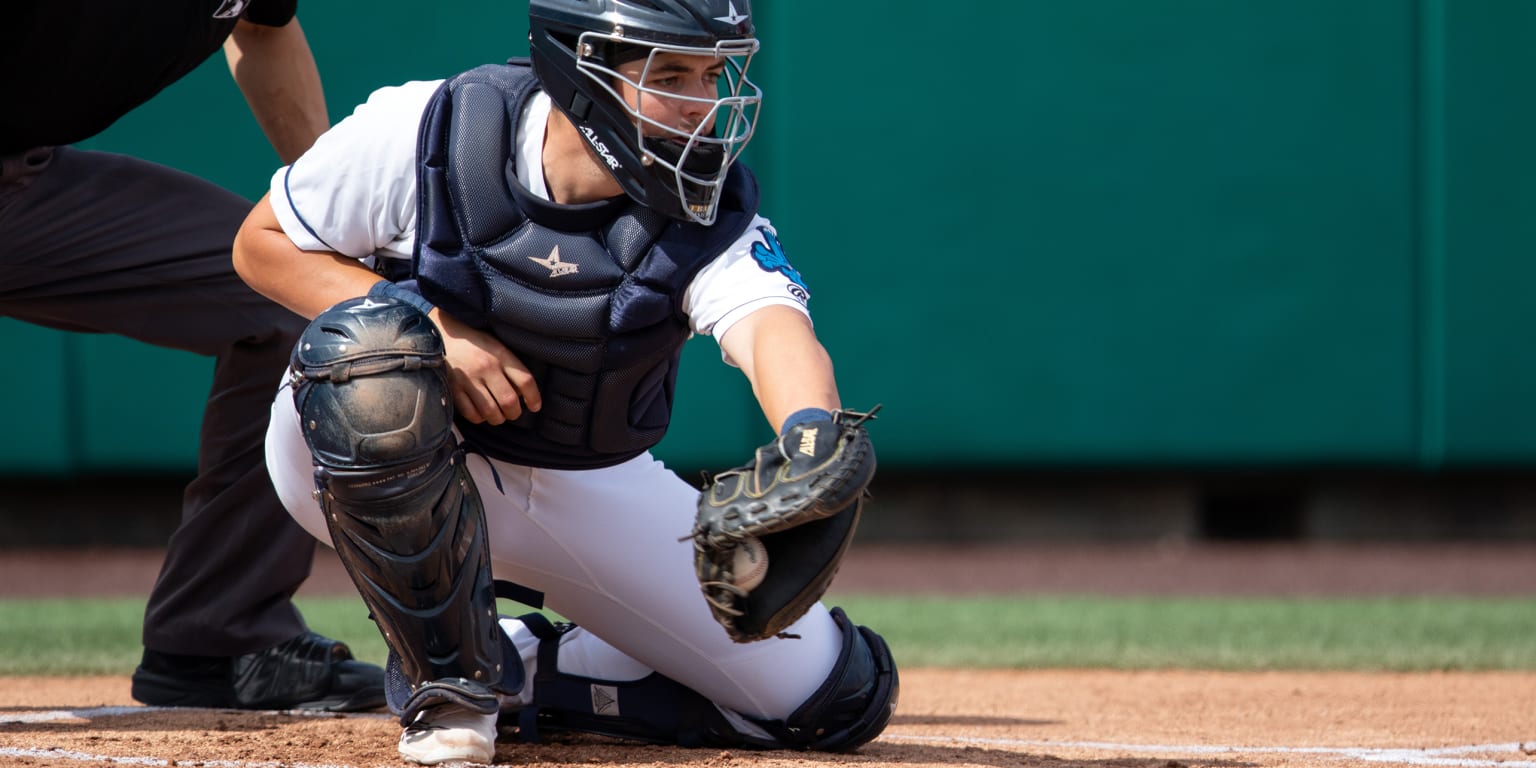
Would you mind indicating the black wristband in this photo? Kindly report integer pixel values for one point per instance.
(804, 415)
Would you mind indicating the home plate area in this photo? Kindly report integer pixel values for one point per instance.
(954, 717)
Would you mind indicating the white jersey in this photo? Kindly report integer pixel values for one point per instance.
(354, 193)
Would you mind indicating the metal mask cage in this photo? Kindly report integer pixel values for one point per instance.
(697, 158)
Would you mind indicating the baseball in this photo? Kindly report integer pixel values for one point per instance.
(750, 564)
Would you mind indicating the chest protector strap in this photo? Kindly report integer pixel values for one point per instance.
(587, 296)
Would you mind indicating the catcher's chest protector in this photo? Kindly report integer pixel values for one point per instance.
(587, 296)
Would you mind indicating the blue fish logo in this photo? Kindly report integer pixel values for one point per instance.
(769, 255)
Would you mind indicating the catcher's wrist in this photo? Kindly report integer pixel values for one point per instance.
(385, 288)
(803, 416)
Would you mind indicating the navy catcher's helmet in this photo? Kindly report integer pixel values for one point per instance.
(576, 47)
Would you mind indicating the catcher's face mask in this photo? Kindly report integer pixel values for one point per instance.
(676, 168)
(692, 110)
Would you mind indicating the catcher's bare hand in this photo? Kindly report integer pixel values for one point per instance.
(490, 384)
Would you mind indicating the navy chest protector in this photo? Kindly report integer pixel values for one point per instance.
(587, 296)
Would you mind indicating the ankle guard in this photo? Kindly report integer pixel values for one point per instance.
(403, 513)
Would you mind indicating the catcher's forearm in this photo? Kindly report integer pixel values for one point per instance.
(788, 367)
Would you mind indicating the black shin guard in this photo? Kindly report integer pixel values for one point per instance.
(855, 703)
(403, 514)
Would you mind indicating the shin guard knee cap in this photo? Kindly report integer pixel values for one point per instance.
(370, 385)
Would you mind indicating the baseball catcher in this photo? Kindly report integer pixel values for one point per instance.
(793, 508)
(490, 362)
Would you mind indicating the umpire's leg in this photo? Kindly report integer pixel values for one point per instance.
(104, 243)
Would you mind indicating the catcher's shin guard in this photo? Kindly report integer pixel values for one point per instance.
(403, 514)
(855, 703)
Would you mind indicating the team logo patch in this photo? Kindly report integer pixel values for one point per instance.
(555, 266)
(769, 255)
(231, 9)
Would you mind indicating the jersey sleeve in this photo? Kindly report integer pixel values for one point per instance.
(752, 273)
(354, 191)
(270, 13)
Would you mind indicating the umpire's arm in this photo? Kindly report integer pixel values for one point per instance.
(276, 72)
(789, 368)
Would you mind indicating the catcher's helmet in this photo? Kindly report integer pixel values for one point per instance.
(576, 47)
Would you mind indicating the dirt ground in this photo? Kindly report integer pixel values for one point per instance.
(987, 718)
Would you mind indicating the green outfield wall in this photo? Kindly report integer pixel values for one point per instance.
(1044, 233)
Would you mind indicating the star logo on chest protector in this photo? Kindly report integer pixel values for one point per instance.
(555, 266)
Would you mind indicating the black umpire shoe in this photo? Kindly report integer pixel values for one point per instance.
(308, 672)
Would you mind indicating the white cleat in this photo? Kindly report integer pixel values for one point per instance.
(449, 733)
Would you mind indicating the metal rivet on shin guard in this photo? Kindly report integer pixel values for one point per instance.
(479, 674)
(314, 425)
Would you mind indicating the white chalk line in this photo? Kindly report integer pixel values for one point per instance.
(84, 757)
(101, 712)
(1400, 755)
(95, 712)
(1439, 756)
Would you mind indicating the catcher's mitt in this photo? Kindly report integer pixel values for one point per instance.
(800, 496)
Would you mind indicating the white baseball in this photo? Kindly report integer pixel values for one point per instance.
(750, 563)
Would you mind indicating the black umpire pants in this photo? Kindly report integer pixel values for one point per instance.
(103, 243)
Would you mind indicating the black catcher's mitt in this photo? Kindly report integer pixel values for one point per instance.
(797, 502)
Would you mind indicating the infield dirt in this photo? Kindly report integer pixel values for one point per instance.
(988, 718)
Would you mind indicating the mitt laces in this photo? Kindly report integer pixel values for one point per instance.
(843, 415)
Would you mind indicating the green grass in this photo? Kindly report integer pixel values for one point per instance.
(1400, 634)
(1217, 633)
